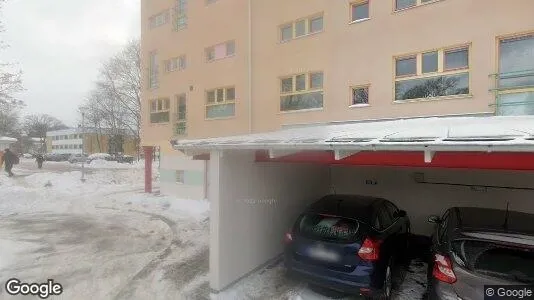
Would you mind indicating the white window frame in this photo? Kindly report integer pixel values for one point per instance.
(307, 27)
(223, 101)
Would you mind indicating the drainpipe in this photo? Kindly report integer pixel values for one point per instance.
(250, 66)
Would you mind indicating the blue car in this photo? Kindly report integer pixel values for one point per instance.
(348, 243)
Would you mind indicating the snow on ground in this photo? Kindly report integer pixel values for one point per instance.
(102, 238)
(104, 164)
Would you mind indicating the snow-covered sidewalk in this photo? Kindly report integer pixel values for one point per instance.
(102, 239)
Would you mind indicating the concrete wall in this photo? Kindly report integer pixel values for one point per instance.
(422, 200)
(193, 186)
(252, 206)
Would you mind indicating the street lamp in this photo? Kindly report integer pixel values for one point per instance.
(83, 147)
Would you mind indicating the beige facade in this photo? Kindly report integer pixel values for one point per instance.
(280, 62)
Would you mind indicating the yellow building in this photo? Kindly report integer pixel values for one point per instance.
(226, 67)
(71, 141)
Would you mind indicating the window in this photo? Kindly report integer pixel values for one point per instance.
(220, 51)
(515, 80)
(404, 4)
(360, 95)
(220, 103)
(438, 73)
(500, 261)
(300, 28)
(159, 110)
(316, 24)
(175, 63)
(153, 71)
(286, 33)
(181, 115)
(383, 217)
(392, 209)
(180, 176)
(158, 20)
(406, 66)
(360, 11)
(456, 59)
(430, 62)
(442, 229)
(180, 15)
(301, 91)
(328, 228)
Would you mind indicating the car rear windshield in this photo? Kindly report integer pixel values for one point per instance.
(328, 228)
(499, 260)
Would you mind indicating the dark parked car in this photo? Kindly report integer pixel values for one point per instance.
(56, 157)
(125, 159)
(349, 243)
(473, 247)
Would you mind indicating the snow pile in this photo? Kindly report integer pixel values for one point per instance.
(70, 183)
(172, 206)
(10, 250)
(105, 164)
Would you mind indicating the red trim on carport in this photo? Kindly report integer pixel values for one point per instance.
(462, 160)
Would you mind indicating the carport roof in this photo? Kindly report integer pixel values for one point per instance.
(493, 133)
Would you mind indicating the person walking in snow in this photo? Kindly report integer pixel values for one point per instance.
(9, 161)
(39, 160)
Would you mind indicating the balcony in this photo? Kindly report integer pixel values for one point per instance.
(514, 93)
(180, 116)
(180, 128)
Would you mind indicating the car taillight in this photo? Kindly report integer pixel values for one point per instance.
(442, 270)
(288, 238)
(370, 250)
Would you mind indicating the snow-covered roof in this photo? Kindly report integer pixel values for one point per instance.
(7, 139)
(494, 133)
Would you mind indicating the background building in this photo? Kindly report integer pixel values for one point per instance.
(283, 63)
(94, 141)
(6, 142)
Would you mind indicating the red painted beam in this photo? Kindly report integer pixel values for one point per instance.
(457, 160)
(149, 153)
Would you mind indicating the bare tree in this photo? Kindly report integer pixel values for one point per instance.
(39, 124)
(10, 80)
(9, 119)
(115, 101)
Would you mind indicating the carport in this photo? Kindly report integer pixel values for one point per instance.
(259, 183)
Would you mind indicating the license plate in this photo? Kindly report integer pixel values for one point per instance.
(322, 254)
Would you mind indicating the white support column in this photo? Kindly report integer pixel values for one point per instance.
(280, 153)
(342, 154)
(429, 155)
(215, 208)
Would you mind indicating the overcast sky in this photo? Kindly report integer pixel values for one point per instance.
(59, 45)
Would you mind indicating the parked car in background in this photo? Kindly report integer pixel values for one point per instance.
(57, 157)
(121, 158)
(77, 158)
(27, 155)
(473, 247)
(99, 156)
(352, 244)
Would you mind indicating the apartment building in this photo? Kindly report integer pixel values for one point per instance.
(227, 67)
